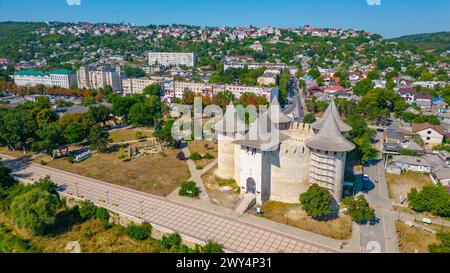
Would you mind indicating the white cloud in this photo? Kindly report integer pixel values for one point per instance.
(73, 2)
(374, 2)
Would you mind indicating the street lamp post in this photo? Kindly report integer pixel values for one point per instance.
(142, 207)
(107, 196)
(76, 185)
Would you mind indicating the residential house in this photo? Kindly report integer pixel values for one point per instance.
(412, 163)
(430, 134)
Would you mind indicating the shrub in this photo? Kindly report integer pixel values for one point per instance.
(212, 247)
(10, 243)
(172, 241)
(141, 232)
(188, 189)
(103, 215)
(180, 156)
(195, 156)
(87, 211)
(443, 246)
(121, 155)
(138, 135)
(209, 156)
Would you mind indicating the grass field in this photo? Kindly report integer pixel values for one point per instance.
(293, 215)
(158, 175)
(412, 240)
(124, 135)
(402, 184)
(202, 147)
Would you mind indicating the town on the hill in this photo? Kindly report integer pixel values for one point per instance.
(326, 140)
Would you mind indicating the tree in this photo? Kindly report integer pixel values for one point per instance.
(359, 209)
(223, 98)
(99, 113)
(443, 246)
(34, 210)
(315, 73)
(45, 117)
(432, 198)
(16, 128)
(97, 138)
(316, 201)
(134, 72)
(6, 180)
(140, 115)
(309, 118)
(153, 90)
(74, 132)
(362, 87)
(165, 133)
(51, 137)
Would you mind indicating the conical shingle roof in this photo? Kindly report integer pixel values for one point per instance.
(332, 110)
(330, 138)
(231, 122)
(262, 135)
(276, 115)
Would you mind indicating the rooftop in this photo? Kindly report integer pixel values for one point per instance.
(330, 138)
(332, 110)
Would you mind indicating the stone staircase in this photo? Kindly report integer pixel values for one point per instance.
(246, 201)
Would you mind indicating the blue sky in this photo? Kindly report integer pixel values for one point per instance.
(392, 18)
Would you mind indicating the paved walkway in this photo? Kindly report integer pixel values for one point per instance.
(234, 235)
(196, 175)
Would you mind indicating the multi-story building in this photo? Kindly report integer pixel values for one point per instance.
(278, 66)
(172, 59)
(136, 85)
(177, 89)
(91, 77)
(61, 78)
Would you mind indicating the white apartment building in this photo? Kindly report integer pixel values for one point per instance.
(136, 85)
(267, 79)
(172, 59)
(279, 66)
(30, 78)
(177, 89)
(98, 78)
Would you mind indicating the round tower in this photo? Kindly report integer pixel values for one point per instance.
(328, 155)
(227, 130)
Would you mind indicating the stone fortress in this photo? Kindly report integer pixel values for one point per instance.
(281, 162)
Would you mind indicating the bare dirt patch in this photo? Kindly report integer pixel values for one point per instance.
(401, 185)
(221, 192)
(159, 174)
(412, 240)
(292, 215)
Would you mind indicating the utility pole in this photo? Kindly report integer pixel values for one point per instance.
(142, 207)
(107, 196)
(76, 185)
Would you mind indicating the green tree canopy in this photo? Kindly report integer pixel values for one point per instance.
(316, 201)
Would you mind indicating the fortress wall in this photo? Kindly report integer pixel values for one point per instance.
(289, 174)
(226, 157)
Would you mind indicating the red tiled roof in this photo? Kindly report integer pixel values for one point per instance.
(417, 127)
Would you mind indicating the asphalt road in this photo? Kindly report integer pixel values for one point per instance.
(380, 235)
